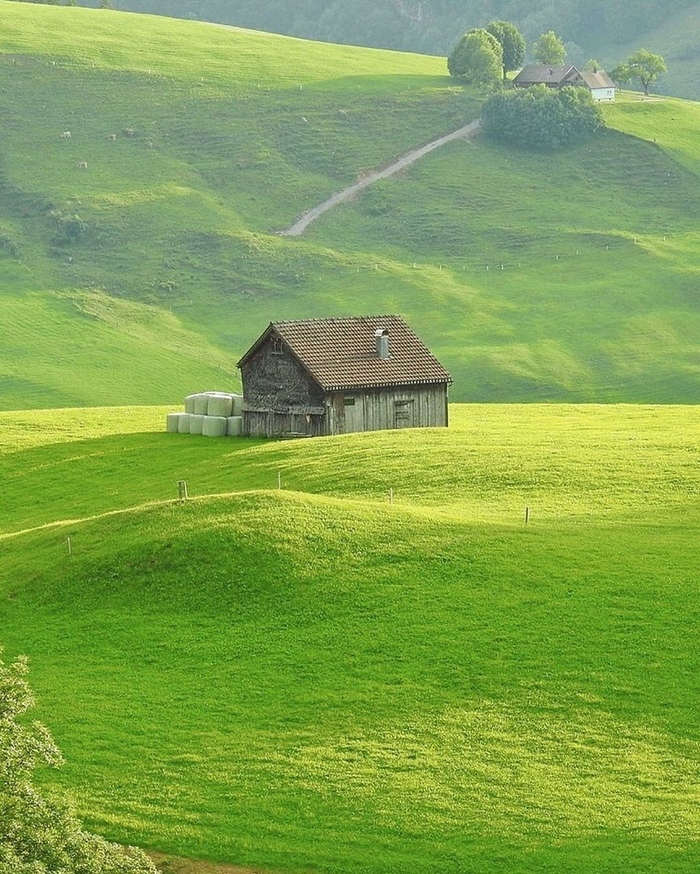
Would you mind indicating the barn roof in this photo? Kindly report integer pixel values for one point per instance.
(341, 353)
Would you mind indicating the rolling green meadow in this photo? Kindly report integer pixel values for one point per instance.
(558, 277)
(348, 654)
(316, 679)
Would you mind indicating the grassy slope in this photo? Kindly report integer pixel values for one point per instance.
(316, 680)
(674, 37)
(676, 40)
(236, 133)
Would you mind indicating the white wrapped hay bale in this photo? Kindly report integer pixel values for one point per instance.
(237, 402)
(189, 403)
(171, 422)
(201, 402)
(196, 424)
(183, 423)
(214, 426)
(234, 426)
(220, 404)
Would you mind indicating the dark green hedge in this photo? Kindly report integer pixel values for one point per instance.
(541, 117)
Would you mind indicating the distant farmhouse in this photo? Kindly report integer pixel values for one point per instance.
(598, 82)
(316, 377)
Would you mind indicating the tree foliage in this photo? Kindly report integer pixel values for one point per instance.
(38, 835)
(542, 118)
(549, 49)
(512, 43)
(477, 59)
(643, 65)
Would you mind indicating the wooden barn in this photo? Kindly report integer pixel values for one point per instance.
(314, 377)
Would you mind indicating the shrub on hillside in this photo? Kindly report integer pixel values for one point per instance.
(541, 117)
(69, 228)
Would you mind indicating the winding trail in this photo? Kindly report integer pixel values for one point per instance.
(298, 228)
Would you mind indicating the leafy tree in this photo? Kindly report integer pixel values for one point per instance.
(542, 118)
(477, 58)
(642, 65)
(621, 74)
(549, 49)
(512, 43)
(37, 835)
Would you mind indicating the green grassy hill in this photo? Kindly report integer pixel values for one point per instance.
(606, 30)
(144, 276)
(314, 679)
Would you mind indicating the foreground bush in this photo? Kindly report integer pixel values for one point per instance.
(37, 835)
(542, 118)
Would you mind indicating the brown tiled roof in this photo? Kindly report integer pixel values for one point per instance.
(342, 353)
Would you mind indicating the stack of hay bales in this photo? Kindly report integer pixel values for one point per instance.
(211, 413)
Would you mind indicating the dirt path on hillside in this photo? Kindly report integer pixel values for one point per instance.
(464, 133)
(175, 865)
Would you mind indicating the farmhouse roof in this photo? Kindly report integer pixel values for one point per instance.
(341, 353)
(556, 77)
(544, 74)
(596, 79)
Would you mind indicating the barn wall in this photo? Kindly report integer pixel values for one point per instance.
(276, 380)
(378, 410)
(276, 423)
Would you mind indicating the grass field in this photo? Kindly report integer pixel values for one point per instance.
(568, 277)
(314, 679)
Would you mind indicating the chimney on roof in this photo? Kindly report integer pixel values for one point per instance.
(381, 336)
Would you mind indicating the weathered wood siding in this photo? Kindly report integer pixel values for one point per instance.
(382, 409)
(276, 380)
(280, 397)
(277, 423)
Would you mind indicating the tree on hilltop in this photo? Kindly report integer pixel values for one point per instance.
(38, 835)
(643, 65)
(549, 49)
(512, 43)
(477, 58)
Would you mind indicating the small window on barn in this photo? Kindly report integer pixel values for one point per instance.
(276, 346)
(348, 401)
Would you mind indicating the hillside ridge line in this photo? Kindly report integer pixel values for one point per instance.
(465, 132)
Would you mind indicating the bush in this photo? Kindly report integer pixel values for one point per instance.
(69, 228)
(541, 117)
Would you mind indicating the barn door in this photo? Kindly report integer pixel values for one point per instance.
(404, 413)
(354, 412)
